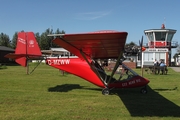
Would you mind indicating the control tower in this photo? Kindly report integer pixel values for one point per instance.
(159, 44)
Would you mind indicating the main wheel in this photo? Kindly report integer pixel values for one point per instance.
(105, 91)
(143, 90)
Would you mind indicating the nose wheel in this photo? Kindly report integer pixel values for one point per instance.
(144, 90)
(105, 91)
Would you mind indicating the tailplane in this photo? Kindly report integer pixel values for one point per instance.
(27, 48)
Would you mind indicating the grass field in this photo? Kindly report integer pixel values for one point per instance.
(48, 95)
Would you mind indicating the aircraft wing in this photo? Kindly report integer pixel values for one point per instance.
(96, 45)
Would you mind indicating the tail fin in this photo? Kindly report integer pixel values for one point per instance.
(27, 47)
(27, 44)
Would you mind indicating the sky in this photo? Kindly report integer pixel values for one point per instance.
(77, 16)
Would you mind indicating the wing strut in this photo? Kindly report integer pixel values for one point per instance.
(62, 41)
(27, 69)
(95, 71)
(33, 68)
(115, 68)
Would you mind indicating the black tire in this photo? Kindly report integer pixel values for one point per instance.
(144, 91)
(105, 91)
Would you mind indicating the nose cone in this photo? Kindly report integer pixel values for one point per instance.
(146, 80)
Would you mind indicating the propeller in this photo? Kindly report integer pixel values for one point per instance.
(141, 43)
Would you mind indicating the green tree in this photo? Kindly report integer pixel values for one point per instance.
(57, 32)
(177, 52)
(131, 44)
(175, 55)
(45, 41)
(131, 49)
(178, 49)
(14, 40)
(38, 38)
(4, 40)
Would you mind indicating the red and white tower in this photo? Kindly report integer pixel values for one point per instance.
(159, 44)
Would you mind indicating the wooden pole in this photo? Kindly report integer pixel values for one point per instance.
(141, 44)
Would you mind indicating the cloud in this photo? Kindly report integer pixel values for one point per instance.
(91, 15)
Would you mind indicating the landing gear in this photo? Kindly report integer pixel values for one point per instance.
(143, 90)
(105, 91)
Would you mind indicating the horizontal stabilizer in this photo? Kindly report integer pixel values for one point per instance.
(14, 56)
(22, 61)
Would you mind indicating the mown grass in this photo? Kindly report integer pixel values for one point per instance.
(48, 95)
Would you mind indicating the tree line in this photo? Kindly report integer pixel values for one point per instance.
(44, 41)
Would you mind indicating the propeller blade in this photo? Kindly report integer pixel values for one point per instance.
(141, 42)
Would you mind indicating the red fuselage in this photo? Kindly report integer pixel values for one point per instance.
(77, 67)
(82, 69)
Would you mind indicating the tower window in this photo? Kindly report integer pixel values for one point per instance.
(160, 36)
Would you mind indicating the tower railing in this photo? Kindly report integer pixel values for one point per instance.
(174, 44)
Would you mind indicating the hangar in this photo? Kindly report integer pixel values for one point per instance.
(3, 51)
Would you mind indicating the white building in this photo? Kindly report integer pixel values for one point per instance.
(159, 46)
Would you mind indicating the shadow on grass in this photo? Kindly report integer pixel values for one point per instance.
(11, 64)
(64, 88)
(3, 67)
(69, 87)
(160, 89)
(139, 105)
(150, 104)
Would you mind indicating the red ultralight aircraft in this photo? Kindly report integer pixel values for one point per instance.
(88, 47)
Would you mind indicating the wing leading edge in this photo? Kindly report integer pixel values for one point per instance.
(96, 45)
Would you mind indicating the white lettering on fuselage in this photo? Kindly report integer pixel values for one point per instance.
(124, 84)
(131, 82)
(138, 80)
(58, 62)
